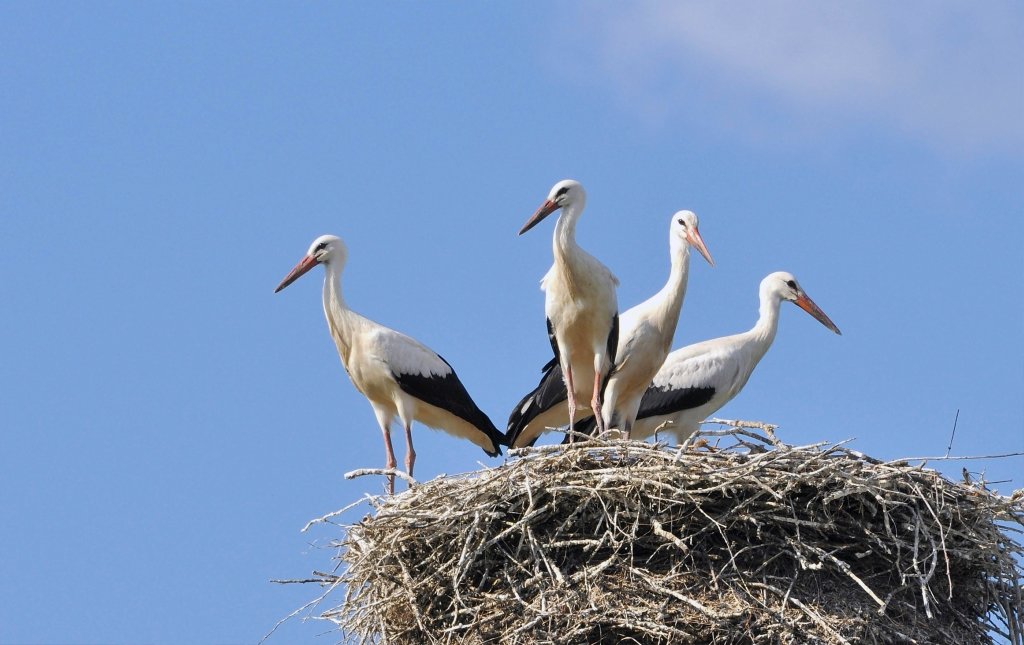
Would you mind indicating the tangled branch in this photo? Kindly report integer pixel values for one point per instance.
(735, 537)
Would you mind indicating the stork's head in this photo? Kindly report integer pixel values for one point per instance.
(326, 249)
(784, 286)
(684, 227)
(564, 193)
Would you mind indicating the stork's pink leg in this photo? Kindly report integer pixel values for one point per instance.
(390, 464)
(595, 403)
(410, 454)
(571, 391)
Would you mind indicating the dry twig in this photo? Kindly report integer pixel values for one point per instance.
(745, 539)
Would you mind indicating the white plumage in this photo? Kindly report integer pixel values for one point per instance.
(697, 380)
(645, 338)
(647, 329)
(398, 375)
(579, 302)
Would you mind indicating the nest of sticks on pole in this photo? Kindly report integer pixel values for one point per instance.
(734, 538)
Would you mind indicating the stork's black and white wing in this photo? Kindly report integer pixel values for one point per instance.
(527, 421)
(424, 375)
(695, 375)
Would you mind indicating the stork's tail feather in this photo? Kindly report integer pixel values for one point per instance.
(486, 426)
(519, 419)
(550, 391)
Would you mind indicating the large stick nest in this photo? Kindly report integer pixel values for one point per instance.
(741, 540)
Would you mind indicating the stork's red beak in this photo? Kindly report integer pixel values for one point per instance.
(545, 209)
(805, 303)
(697, 242)
(304, 265)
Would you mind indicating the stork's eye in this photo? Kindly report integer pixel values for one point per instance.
(561, 191)
(681, 222)
(791, 284)
(320, 247)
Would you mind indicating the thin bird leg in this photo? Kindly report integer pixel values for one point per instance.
(595, 403)
(571, 391)
(390, 464)
(410, 454)
(626, 428)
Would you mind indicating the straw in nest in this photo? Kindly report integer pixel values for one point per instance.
(742, 540)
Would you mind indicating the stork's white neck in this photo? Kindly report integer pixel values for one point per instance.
(338, 314)
(563, 242)
(667, 303)
(332, 287)
(768, 320)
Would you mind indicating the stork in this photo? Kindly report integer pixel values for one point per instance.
(695, 381)
(398, 375)
(579, 302)
(645, 338)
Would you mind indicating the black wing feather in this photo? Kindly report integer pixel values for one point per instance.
(553, 341)
(549, 392)
(613, 348)
(661, 401)
(448, 393)
(655, 403)
(613, 340)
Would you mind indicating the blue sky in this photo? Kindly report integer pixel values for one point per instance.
(169, 424)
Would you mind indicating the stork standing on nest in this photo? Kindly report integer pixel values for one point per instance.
(399, 376)
(644, 342)
(697, 380)
(579, 303)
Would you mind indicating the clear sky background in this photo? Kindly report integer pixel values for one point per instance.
(168, 424)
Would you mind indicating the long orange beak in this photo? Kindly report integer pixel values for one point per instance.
(545, 209)
(304, 265)
(697, 242)
(805, 303)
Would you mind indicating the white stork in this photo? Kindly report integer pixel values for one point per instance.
(645, 338)
(397, 374)
(579, 303)
(697, 380)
